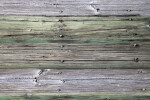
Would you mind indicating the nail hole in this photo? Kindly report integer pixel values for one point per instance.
(136, 59)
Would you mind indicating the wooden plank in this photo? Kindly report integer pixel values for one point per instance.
(74, 81)
(81, 96)
(54, 55)
(74, 29)
(75, 7)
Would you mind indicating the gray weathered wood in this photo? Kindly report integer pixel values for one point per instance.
(74, 81)
(75, 7)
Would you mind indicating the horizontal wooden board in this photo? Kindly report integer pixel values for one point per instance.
(74, 29)
(74, 81)
(81, 96)
(75, 7)
(55, 55)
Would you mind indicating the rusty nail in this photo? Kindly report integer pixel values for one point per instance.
(61, 36)
(136, 59)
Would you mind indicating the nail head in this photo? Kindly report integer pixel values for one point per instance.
(61, 36)
(60, 20)
(62, 46)
(59, 89)
(136, 59)
(144, 89)
(134, 33)
(61, 61)
(130, 19)
(135, 45)
(129, 10)
(97, 9)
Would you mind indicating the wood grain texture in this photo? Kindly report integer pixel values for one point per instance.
(74, 81)
(54, 42)
(26, 29)
(81, 96)
(75, 7)
(56, 55)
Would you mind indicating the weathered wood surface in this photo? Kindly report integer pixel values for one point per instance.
(74, 29)
(53, 55)
(75, 7)
(74, 81)
(81, 96)
(54, 42)
(79, 58)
